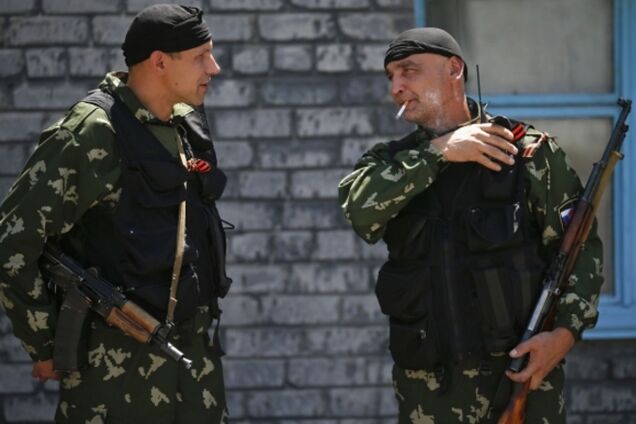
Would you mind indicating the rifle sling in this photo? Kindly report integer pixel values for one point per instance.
(180, 243)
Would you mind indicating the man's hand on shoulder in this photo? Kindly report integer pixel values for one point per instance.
(486, 144)
(546, 350)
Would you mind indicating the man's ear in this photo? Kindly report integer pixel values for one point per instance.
(456, 66)
(157, 61)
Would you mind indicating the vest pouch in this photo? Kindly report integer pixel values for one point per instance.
(404, 290)
(495, 289)
(493, 227)
(414, 345)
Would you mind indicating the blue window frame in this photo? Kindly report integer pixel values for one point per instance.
(618, 308)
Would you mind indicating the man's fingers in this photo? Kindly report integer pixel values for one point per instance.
(498, 130)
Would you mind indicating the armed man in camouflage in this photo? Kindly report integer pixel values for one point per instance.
(106, 183)
(472, 208)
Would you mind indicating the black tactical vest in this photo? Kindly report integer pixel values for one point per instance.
(133, 244)
(464, 266)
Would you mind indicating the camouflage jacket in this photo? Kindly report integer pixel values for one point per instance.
(74, 167)
(381, 185)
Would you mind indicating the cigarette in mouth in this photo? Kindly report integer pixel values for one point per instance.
(398, 115)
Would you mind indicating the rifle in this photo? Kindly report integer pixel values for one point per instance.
(562, 265)
(85, 290)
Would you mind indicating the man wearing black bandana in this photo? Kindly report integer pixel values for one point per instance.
(471, 208)
(127, 176)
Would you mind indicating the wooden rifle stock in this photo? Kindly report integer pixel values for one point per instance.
(559, 271)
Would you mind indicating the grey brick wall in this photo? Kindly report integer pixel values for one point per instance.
(301, 96)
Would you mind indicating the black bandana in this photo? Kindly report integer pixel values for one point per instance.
(423, 40)
(166, 27)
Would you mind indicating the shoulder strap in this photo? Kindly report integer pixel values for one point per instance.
(101, 99)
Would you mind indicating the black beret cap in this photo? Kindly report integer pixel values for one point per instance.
(166, 27)
(423, 40)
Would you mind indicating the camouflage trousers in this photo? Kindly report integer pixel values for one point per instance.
(127, 382)
(464, 394)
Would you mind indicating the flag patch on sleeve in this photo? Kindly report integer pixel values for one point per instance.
(566, 212)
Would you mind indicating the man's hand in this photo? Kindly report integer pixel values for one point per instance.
(481, 143)
(43, 371)
(546, 350)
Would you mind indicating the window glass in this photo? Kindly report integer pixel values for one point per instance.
(539, 46)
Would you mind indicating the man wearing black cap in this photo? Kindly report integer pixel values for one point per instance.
(126, 184)
(472, 208)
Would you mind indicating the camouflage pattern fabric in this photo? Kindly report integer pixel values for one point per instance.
(424, 397)
(137, 383)
(75, 167)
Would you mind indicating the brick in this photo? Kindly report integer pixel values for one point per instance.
(253, 278)
(16, 378)
(334, 58)
(46, 62)
(236, 403)
(89, 62)
(329, 278)
(39, 407)
(395, 4)
(229, 93)
(10, 346)
(47, 30)
(624, 367)
(13, 7)
(249, 247)
(253, 373)
(311, 214)
(370, 57)
(12, 158)
(373, 26)
(335, 244)
(331, 4)
(385, 122)
(79, 6)
(110, 30)
(361, 401)
(247, 5)
(605, 419)
(380, 369)
(250, 215)
(11, 62)
(586, 367)
(293, 58)
(20, 126)
(295, 309)
(296, 26)
(352, 149)
(138, 5)
(263, 342)
(361, 309)
(251, 60)
(292, 245)
(603, 397)
(372, 251)
(299, 92)
(344, 340)
(326, 372)
(116, 59)
(253, 123)
(240, 310)
(333, 121)
(263, 184)
(232, 186)
(365, 90)
(309, 154)
(285, 403)
(230, 27)
(48, 96)
(234, 154)
(321, 184)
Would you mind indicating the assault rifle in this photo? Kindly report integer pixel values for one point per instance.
(84, 290)
(562, 265)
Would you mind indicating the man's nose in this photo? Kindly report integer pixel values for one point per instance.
(213, 67)
(397, 87)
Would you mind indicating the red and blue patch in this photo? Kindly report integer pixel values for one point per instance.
(566, 212)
